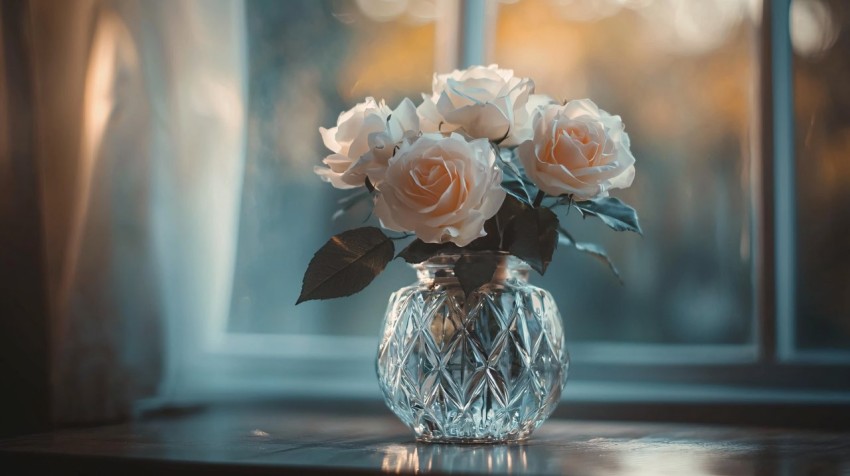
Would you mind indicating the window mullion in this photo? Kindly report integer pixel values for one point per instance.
(473, 28)
(784, 190)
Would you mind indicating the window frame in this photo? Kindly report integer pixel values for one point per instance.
(769, 370)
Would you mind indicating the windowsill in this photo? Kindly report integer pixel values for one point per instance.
(239, 366)
(630, 399)
(321, 437)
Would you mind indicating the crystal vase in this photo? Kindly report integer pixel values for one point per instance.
(484, 368)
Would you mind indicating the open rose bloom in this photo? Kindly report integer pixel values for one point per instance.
(482, 163)
(441, 188)
(363, 140)
(488, 103)
(579, 150)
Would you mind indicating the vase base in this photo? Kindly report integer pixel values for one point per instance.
(449, 440)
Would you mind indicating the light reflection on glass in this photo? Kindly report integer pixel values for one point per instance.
(382, 10)
(688, 27)
(414, 11)
(677, 26)
(412, 458)
(813, 29)
(587, 10)
(388, 57)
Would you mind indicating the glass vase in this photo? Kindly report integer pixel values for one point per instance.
(484, 368)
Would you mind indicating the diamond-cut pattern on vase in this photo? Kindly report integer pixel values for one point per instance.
(487, 367)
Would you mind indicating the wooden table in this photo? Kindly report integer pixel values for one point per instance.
(267, 439)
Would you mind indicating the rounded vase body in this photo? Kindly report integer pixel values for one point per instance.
(487, 367)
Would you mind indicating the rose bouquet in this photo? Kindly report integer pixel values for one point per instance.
(483, 164)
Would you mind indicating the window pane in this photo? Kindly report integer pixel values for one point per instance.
(681, 74)
(308, 60)
(821, 39)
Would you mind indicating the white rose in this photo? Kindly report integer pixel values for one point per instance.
(443, 188)
(578, 149)
(363, 141)
(482, 102)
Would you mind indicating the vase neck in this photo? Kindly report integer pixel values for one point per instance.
(441, 269)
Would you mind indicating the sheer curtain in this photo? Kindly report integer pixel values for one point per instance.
(140, 117)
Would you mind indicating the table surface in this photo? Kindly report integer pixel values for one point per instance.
(262, 440)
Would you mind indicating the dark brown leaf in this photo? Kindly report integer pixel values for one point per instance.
(474, 271)
(418, 251)
(533, 236)
(346, 264)
(497, 225)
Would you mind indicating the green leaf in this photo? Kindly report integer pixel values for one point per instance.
(533, 236)
(599, 253)
(346, 264)
(514, 181)
(613, 212)
(592, 249)
(507, 157)
(418, 251)
(517, 189)
(564, 237)
(475, 271)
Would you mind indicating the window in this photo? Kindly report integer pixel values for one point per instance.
(686, 91)
(708, 105)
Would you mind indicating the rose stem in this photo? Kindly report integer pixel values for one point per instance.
(539, 198)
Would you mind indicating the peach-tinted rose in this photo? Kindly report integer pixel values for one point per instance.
(577, 149)
(443, 188)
